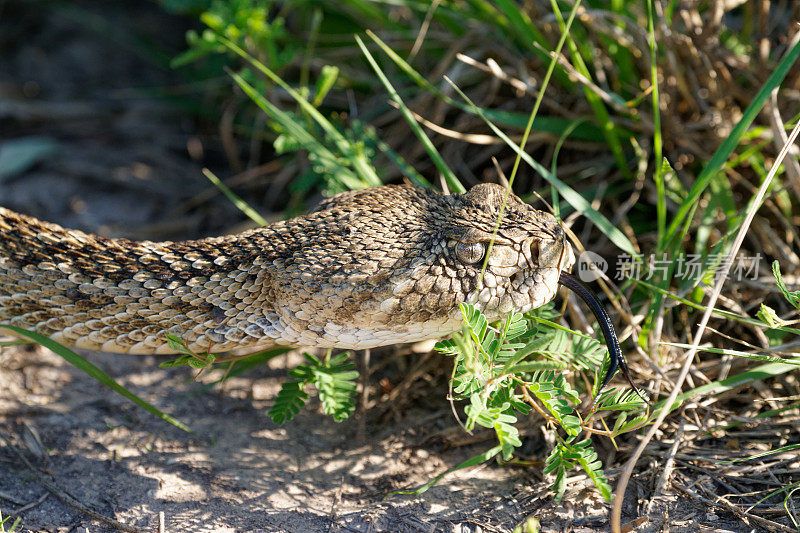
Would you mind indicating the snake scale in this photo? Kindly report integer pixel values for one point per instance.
(367, 268)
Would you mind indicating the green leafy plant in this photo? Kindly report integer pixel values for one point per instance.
(566, 455)
(246, 22)
(334, 379)
(203, 362)
(6, 527)
(187, 357)
(502, 371)
(251, 37)
(793, 297)
(768, 315)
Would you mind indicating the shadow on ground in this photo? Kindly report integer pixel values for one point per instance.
(239, 470)
(103, 153)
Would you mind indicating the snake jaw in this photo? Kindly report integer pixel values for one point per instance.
(522, 276)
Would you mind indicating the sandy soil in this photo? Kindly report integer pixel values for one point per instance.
(239, 471)
(113, 160)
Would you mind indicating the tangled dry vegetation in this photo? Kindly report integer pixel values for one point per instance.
(599, 132)
(708, 74)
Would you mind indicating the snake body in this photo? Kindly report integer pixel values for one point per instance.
(366, 268)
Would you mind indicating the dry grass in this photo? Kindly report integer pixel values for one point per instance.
(602, 139)
(711, 62)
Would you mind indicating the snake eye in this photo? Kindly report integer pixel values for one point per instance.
(470, 253)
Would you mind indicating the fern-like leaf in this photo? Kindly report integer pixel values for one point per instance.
(514, 326)
(585, 456)
(447, 347)
(182, 360)
(565, 389)
(490, 344)
(507, 434)
(557, 465)
(619, 400)
(335, 381)
(476, 322)
(188, 357)
(534, 346)
(498, 418)
(546, 390)
(492, 362)
(290, 400)
(623, 425)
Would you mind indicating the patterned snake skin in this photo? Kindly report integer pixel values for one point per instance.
(367, 268)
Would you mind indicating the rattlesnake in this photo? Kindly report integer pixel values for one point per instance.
(367, 268)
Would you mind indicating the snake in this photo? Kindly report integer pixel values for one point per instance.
(366, 268)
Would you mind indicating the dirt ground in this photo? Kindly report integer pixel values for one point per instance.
(94, 148)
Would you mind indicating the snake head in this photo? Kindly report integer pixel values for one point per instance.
(522, 261)
(392, 264)
(510, 253)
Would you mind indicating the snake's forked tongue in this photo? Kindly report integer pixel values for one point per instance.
(616, 360)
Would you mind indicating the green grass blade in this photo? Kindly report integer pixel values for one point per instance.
(248, 362)
(522, 24)
(718, 312)
(765, 414)
(622, 56)
(603, 117)
(526, 133)
(91, 370)
(12, 527)
(736, 353)
(658, 174)
(553, 62)
(654, 309)
(570, 195)
(449, 177)
(553, 125)
(302, 102)
(679, 226)
(405, 167)
(294, 128)
(365, 171)
(554, 165)
(410, 71)
(300, 134)
(726, 148)
(556, 126)
(782, 449)
(519, 24)
(718, 387)
(238, 202)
